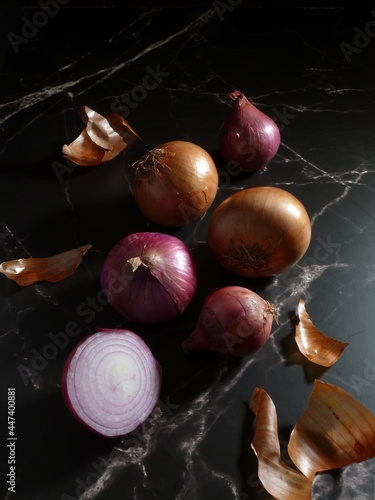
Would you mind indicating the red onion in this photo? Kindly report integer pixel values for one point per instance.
(233, 320)
(149, 277)
(248, 137)
(111, 382)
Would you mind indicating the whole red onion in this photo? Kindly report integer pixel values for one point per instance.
(234, 321)
(149, 277)
(248, 137)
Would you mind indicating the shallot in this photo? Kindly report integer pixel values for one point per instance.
(233, 320)
(248, 137)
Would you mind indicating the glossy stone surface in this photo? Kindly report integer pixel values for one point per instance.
(167, 71)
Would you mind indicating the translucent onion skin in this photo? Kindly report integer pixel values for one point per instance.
(259, 232)
(234, 321)
(111, 382)
(175, 183)
(248, 137)
(149, 277)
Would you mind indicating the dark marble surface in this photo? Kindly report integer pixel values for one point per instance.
(292, 63)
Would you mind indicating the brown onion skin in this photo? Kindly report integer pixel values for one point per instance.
(175, 183)
(259, 232)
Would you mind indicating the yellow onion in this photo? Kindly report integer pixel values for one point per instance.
(259, 231)
(175, 183)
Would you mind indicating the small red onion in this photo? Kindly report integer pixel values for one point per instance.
(111, 382)
(149, 277)
(248, 137)
(233, 320)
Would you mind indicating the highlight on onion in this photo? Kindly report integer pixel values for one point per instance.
(149, 277)
(248, 136)
(234, 321)
(317, 347)
(175, 183)
(32, 269)
(111, 382)
(259, 231)
(103, 139)
(335, 430)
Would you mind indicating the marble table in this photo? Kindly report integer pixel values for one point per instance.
(312, 70)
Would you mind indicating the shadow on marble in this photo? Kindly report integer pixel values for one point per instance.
(293, 356)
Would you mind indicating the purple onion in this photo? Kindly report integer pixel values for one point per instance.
(234, 321)
(149, 277)
(248, 137)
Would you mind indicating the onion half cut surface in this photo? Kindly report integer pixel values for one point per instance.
(111, 382)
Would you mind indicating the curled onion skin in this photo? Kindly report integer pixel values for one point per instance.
(259, 232)
(248, 136)
(234, 321)
(149, 277)
(111, 382)
(175, 183)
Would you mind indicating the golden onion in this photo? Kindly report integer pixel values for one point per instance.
(259, 231)
(175, 183)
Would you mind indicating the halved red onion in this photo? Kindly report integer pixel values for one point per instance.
(149, 277)
(111, 382)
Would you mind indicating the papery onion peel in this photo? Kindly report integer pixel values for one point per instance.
(280, 480)
(335, 430)
(55, 268)
(317, 347)
(102, 140)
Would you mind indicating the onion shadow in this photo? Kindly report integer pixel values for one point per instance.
(293, 355)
